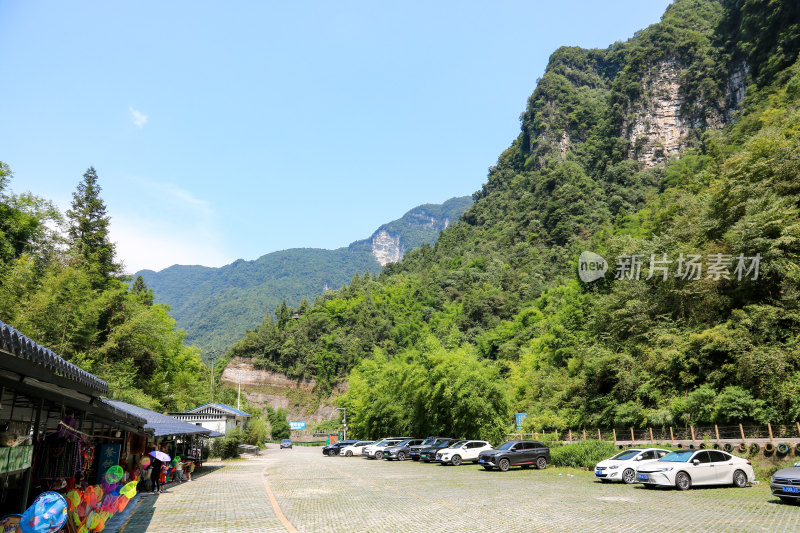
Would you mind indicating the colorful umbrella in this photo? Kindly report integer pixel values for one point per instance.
(144, 462)
(161, 456)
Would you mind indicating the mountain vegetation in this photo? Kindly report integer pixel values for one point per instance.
(494, 319)
(61, 286)
(216, 306)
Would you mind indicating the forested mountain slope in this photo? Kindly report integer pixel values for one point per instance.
(675, 149)
(216, 306)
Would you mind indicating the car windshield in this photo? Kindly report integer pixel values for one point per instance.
(458, 444)
(441, 442)
(626, 455)
(362, 443)
(506, 445)
(678, 457)
(428, 441)
(404, 443)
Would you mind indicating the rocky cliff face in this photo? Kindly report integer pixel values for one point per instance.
(386, 248)
(263, 388)
(657, 126)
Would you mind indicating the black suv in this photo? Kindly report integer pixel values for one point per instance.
(522, 453)
(429, 454)
(414, 451)
(401, 450)
(333, 449)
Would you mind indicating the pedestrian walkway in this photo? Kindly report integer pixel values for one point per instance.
(223, 497)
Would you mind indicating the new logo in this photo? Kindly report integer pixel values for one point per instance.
(591, 267)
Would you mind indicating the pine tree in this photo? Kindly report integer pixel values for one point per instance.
(88, 231)
(142, 292)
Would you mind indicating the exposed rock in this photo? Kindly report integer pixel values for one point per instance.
(387, 249)
(564, 144)
(239, 368)
(657, 129)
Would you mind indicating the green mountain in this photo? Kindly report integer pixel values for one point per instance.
(215, 306)
(674, 155)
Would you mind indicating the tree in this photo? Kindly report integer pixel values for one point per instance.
(141, 291)
(88, 231)
(279, 424)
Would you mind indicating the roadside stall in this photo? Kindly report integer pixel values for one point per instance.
(57, 436)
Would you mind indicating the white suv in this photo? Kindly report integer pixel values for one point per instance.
(463, 451)
(375, 451)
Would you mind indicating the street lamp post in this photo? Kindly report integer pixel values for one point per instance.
(211, 356)
(344, 419)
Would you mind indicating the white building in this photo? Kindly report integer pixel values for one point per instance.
(215, 416)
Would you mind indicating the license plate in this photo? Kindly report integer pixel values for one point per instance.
(643, 477)
(598, 472)
(481, 461)
(793, 490)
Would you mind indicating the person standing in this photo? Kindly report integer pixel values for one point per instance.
(155, 474)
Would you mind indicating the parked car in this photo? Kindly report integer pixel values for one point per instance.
(429, 454)
(687, 468)
(465, 451)
(375, 451)
(414, 451)
(354, 449)
(286, 443)
(400, 450)
(333, 449)
(785, 484)
(522, 453)
(622, 467)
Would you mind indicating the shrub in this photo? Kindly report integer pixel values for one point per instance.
(582, 454)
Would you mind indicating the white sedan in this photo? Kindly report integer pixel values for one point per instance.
(463, 451)
(354, 449)
(622, 467)
(687, 468)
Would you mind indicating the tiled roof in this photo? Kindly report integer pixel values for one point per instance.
(160, 424)
(17, 344)
(222, 406)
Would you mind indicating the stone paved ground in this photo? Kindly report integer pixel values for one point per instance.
(320, 494)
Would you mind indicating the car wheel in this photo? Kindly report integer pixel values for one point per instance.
(683, 481)
(541, 463)
(324, 452)
(739, 479)
(455, 460)
(503, 465)
(401, 456)
(629, 476)
(348, 453)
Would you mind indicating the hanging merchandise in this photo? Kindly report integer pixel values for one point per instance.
(48, 514)
(10, 523)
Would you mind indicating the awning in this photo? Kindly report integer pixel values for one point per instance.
(159, 424)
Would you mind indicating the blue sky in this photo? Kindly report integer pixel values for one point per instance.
(225, 130)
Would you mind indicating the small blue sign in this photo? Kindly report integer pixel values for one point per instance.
(296, 426)
(519, 418)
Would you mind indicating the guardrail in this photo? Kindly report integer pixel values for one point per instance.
(738, 433)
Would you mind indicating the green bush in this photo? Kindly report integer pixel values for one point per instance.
(583, 454)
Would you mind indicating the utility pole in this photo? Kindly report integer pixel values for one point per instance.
(344, 420)
(239, 396)
(211, 356)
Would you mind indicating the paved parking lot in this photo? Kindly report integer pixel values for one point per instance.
(318, 494)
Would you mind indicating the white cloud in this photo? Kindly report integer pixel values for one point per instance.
(165, 225)
(139, 118)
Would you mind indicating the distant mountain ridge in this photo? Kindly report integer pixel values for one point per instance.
(217, 305)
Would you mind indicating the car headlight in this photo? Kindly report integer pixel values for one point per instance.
(613, 467)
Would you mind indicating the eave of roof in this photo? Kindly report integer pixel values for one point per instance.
(18, 345)
(221, 406)
(160, 424)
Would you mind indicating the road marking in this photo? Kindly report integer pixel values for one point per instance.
(275, 507)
